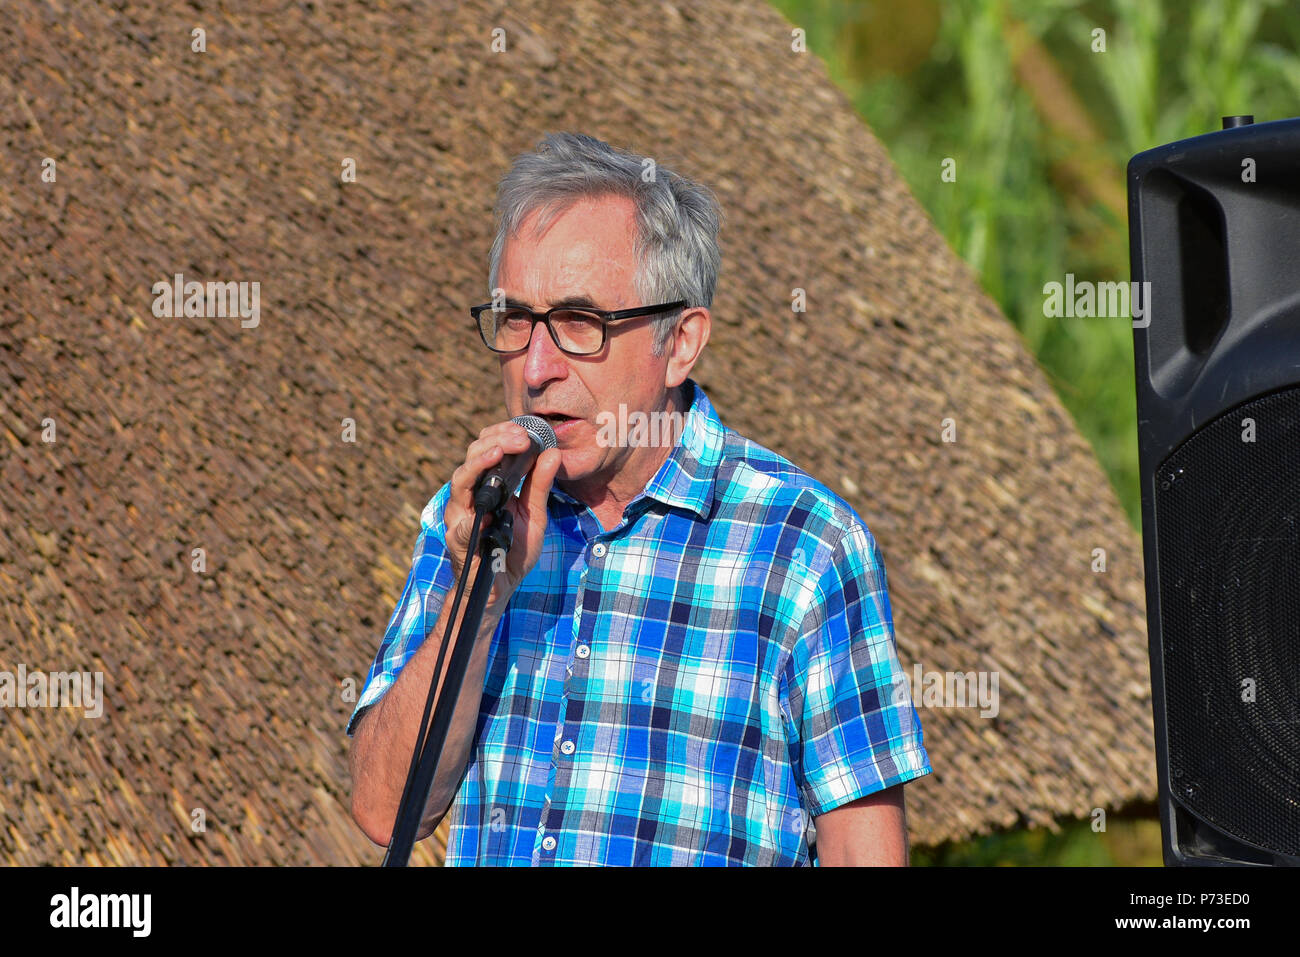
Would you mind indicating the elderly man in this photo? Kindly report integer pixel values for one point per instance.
(689, 656)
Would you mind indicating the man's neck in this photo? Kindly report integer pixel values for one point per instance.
(608, 500)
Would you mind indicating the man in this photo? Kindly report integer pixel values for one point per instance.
(689, 657)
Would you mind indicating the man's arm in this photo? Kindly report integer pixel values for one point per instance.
(385, 735)
(851, 711)
(868, 832)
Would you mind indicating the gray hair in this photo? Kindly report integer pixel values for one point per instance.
(677, 220)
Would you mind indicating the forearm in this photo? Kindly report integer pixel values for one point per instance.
(385, 736)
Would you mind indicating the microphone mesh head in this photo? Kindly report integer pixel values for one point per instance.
(538, 428)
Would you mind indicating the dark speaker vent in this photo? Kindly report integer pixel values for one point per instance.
(1204, 260)
(1228, 510)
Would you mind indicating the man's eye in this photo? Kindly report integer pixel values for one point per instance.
(575, 318)
(516, 317)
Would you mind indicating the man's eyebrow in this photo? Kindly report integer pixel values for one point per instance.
(582, 301)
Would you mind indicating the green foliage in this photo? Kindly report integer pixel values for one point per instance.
(1169, 71)
(938, 79)
(1126, 842)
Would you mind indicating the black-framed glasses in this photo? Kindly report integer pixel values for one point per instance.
(578, 332)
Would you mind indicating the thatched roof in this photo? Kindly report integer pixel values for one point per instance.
(223, 689)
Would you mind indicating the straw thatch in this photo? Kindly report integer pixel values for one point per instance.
(224, 689)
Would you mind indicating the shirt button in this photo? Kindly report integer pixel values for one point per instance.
(583, 651)
(598, 549)
(548, 843)
(567, 747)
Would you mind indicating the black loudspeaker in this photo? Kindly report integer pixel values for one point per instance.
(1214, 227)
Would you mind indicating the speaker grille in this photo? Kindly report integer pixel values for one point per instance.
(1228, 520)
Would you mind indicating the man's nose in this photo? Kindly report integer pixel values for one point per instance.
(544, 361)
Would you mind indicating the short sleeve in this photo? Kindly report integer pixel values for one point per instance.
(417, 610)
(855, 728)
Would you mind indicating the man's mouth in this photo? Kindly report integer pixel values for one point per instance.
(561, 423)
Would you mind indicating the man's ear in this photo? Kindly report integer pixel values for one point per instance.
(686, 343)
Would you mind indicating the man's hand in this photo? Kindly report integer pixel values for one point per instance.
(529, 510)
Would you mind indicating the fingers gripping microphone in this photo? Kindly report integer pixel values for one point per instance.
(505, 479)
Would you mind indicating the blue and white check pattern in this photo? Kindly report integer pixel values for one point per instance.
(693, 686)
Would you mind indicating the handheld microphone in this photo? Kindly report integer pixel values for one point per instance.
(505, 479)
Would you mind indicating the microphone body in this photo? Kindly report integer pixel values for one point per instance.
(505, 479)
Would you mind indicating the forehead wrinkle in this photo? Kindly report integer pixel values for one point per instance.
(575, 277)
(567, 260)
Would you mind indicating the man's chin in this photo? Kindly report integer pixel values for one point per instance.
(574, 467)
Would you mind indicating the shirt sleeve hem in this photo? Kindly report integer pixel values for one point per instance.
(370, 696)
(915, 764)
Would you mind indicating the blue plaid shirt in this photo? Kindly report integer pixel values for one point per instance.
(693, 686)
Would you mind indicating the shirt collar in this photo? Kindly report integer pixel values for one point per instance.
(686, 477)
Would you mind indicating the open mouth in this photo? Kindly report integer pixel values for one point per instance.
(560, 424)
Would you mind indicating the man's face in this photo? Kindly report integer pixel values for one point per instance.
(585, 252)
